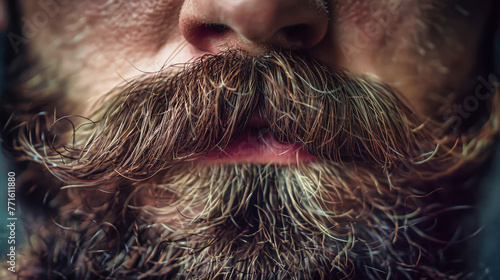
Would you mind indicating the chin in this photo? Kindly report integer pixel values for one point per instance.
(206, 220)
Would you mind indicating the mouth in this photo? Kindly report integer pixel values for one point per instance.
(257, 145)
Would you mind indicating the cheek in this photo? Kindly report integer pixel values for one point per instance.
(144, 25)
(423, 49)
(131, 25)
(95, 45)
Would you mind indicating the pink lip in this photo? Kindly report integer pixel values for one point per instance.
(258, 146)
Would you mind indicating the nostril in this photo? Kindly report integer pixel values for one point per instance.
(217, 28)
(300, 35)
(203, 35)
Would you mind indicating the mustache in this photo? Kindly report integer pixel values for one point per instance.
(157, 121)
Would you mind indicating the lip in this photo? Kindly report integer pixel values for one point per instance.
(257, 145)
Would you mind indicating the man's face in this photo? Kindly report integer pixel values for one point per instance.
(250, 139)
(422, 48)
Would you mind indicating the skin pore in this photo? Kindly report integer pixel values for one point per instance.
(223, 139)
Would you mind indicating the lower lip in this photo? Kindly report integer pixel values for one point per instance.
(259, 146)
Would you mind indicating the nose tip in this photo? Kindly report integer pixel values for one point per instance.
(212, 25)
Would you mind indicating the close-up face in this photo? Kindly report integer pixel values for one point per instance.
(249, 139)
(421, 48)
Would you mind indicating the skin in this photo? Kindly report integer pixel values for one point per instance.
(422, 48)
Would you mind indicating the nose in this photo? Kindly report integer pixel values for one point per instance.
(253, 25)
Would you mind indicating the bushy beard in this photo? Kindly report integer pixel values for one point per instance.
(137, 203)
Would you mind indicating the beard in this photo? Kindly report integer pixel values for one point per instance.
(127, 197)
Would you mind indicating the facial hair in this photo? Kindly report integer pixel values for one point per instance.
(361, 209)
